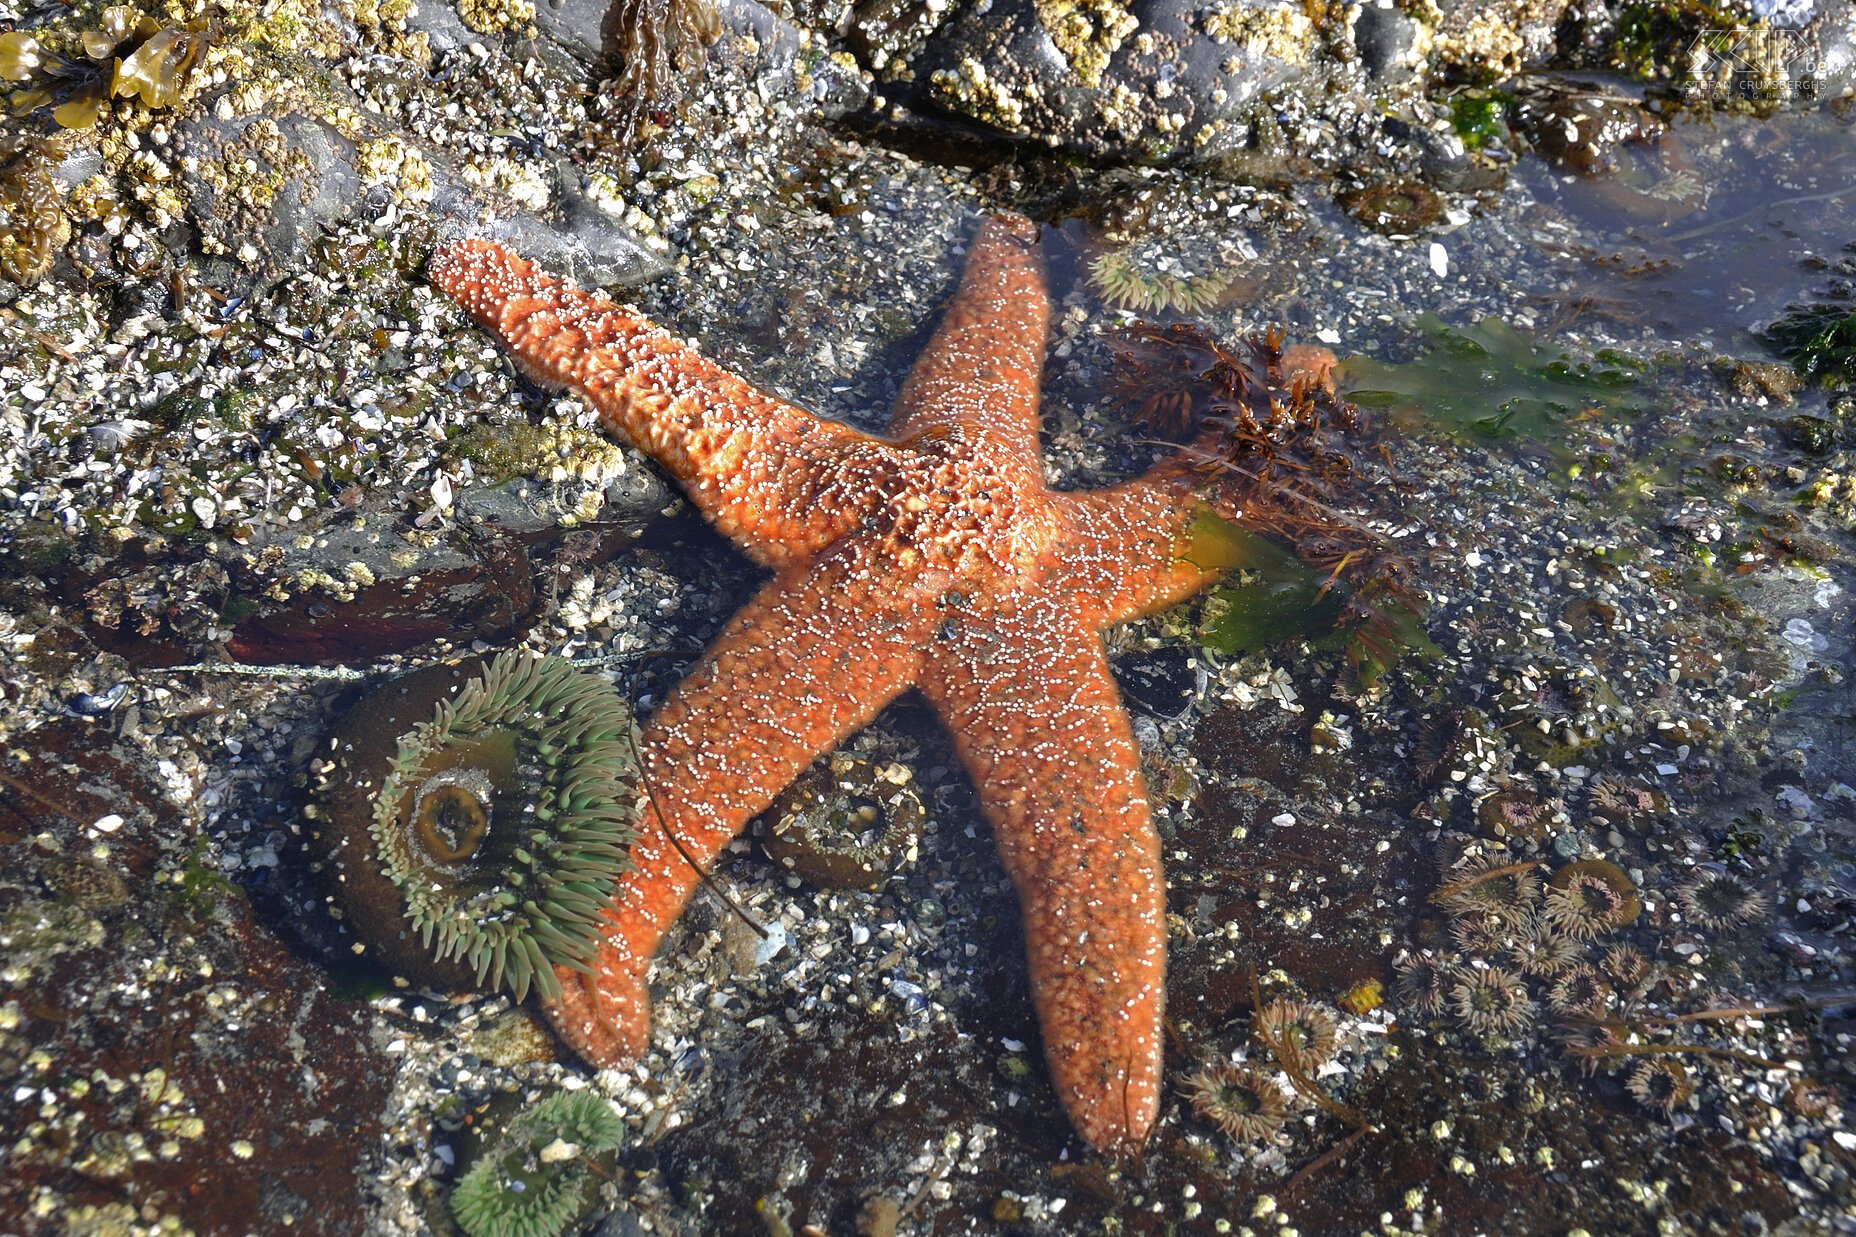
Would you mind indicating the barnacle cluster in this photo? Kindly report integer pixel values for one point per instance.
(126, 54)
(474, 819)
(537, 1180)
(1271, 440)
(662, 44)
(33, 227)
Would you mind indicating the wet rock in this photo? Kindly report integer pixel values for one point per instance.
(366, 586)
(1387, 41)
(1499, 38)
(1148, 81)
(163, 1032)
(778, 55)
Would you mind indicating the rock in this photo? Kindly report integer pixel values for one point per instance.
(1153, 81)
(365, 586)
(183, 1062)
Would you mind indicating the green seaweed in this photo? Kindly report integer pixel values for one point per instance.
(1487, 382)
(1819, 341)
(1277, 598)
(1480, 116)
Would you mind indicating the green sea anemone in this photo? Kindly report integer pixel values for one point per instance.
(1591, 897)
(1145, 279)
(476, 817)
(536, 1181)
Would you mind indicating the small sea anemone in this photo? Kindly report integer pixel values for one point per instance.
(845, 823)
(1492, 1001)
(1240, 1101)
(1626, 967)
(1618, 801)
(1660, 1084)
(1514, 814)
(535, 1181)
(1425, 980)
(1304, 1033)
(33, 227)
(1541, 949)
(1588, 1044)
(1579, 990)
(1481, 934)
(1144, 279)
(475, 818)
(662, 44)
(1590, 898)
(1502, 891)
(1399, 209)
(1718, 899)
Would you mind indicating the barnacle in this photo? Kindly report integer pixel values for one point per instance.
(475, 818)
(846, 823)
(535, 1182)
(1590, 898)
(1660, 1084)
(1492, 1001)
(1304, 1034)
(1240, 1101)
(1397, 209)
(1718, 899)
(33, 227)
(661, 43)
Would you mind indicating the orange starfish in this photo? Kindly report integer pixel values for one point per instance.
(934, 557)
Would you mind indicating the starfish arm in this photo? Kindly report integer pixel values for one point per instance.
(1124, 547)
(1038, 722)
(807, 663)
(780, 482)
(981, 370)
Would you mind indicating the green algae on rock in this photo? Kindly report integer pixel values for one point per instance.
(474, 818)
